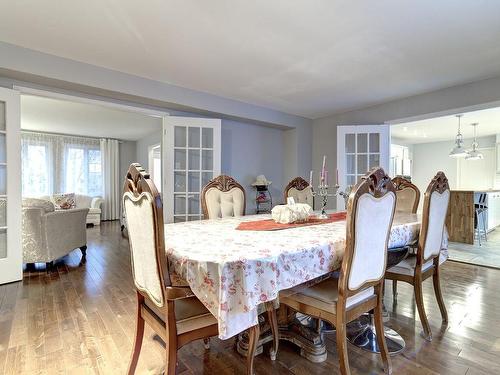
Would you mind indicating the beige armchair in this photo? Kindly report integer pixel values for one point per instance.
(48, 234)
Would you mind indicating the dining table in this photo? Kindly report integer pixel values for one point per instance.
(234, 272)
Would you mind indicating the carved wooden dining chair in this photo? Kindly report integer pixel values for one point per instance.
(300, 190)
(408, 195)
(223, 197)
(426, 263)
(169, 307)
(370, 211)
(408, 198)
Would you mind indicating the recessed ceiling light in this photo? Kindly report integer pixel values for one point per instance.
(405, 128)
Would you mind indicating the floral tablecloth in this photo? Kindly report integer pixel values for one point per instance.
(233, 271)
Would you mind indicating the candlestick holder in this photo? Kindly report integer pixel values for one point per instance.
(323, 194)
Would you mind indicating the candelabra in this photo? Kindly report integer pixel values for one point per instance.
(323, 194)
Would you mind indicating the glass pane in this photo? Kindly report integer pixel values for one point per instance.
(350, 145)
(206, 177)
(179, 219)
(207, 138)
(180, 181)
(3, 150)
(351, 164)
(180, 136)
(3, 212)
(194, 159)
(351, 180)
(194, 218)
(194, 182)
(374, 160)
(2, 115)
(207, 160)
(3, 180)
(180, 159)
(362, 142)
(374, 142)
(179, 204)
(362, 164)
(3, 243)
(194, 137)
(194, 204)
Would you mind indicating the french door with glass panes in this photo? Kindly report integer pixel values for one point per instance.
(11, 256)
(360, 148)
(192, 157)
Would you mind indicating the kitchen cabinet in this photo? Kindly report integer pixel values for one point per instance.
(493, 203)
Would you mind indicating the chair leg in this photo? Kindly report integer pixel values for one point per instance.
(83, 249)
(170, 360)
(419, 298)
(484, 225)
(273, 321)
(439, 295)
(342, 347)
(394, 290)
(139, 335)
(253, 340)
(206, 343)
(382, 344)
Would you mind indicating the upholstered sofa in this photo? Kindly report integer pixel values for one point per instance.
(84, 201)
(48, 234)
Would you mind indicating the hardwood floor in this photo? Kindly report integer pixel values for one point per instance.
(79, 319)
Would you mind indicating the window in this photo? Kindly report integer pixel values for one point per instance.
(60, 164)
(36, 172)
(82, 171)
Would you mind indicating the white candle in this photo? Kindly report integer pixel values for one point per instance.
(324, 164)
(311, 178)
(326, 177)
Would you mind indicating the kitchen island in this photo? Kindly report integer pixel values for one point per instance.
(461, 213)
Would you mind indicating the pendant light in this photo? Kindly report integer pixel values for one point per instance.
(458, 151)
(474, 154)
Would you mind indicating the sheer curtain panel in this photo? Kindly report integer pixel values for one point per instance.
(110, 168)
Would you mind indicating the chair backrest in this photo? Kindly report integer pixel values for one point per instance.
(436, 200)
(370, 211)
(144, 213)
(300, 190)
(223, 197)
(407, 194)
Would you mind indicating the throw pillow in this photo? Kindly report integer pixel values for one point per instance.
(64, 201)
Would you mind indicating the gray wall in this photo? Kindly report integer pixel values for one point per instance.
(143, 146)
(128, 154)
(247, 151)
(470, 96)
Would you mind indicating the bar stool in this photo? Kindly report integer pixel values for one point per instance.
(481, 214)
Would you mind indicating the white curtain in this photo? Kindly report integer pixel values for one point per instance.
(53, 163)
(110, 168)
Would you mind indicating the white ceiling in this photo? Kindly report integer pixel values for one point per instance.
(445, 128)
(66, 117)
(309, 58)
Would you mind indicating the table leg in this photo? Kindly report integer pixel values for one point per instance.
(253, 340)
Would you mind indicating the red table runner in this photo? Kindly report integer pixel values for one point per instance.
(270, 224)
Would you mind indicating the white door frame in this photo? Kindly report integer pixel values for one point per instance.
(168, 139)
(11, 267)
(385, 150)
